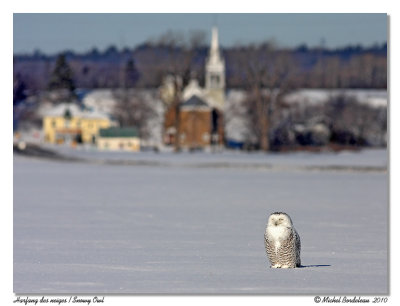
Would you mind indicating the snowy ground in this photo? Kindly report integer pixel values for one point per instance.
(194, 223)
(375, 159)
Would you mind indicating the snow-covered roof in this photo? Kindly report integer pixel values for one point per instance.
(74, 110)
(194, 101)
(193, 88)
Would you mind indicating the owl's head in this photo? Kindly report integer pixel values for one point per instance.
(280, 219)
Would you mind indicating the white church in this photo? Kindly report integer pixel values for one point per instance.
(214, 91)
(202, 109)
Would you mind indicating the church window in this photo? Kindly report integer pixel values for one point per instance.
(214, 80)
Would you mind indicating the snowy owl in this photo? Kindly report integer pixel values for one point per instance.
(282, 241)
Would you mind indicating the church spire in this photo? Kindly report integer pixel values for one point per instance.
(214, 39)
(215, 72)
(214, 48)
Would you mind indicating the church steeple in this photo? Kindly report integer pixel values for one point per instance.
(214, 49)
(215, 71)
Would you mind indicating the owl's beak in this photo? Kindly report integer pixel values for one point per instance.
(276, 223)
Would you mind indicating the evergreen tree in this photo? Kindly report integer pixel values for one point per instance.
(62, 77)
(131, 74)
(19, 90)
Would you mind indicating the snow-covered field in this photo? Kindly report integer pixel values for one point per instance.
(194, 223)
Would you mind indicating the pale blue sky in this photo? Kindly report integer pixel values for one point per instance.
(52, 33)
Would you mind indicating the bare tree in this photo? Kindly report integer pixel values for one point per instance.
(133, 109)
(178, 65)
(267, 74)
(354, 123)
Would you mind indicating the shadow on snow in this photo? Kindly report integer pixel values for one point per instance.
(313, 266)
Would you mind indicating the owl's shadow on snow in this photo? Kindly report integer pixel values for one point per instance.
(313, 266)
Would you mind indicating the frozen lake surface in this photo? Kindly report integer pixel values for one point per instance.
(194, 223)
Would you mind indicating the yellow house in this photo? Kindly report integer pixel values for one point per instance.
(119, 139)
(67, 123)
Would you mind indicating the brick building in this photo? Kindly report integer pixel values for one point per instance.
(200, 126)
(201, 111)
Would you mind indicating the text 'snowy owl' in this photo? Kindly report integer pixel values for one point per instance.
(282, 242)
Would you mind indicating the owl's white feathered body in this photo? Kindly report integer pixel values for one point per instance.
(282, 242)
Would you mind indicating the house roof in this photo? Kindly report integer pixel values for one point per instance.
(195, 101)
(74, 111)
(119, 132)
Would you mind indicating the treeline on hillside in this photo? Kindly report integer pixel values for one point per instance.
(349, 67)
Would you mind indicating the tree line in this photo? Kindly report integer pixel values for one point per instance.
(349, 67)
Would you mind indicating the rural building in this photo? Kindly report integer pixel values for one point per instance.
(119, 139)
(67, 123)
(199, 125)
